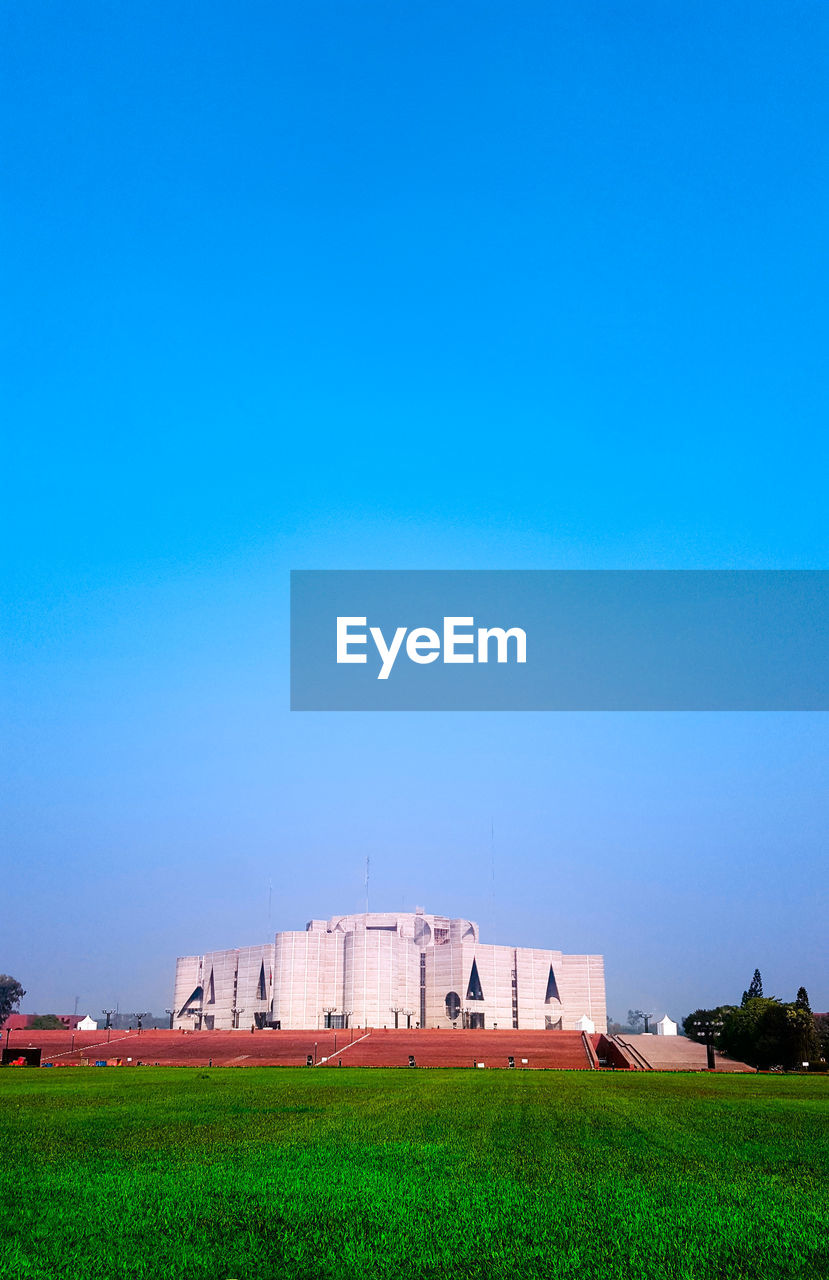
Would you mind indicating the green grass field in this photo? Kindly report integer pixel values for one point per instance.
(261, 1173)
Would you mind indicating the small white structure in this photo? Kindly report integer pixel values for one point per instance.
(666, 1027)
(87, 1024)
(586, 1024)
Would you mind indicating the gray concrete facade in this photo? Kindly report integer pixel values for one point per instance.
(385, 969)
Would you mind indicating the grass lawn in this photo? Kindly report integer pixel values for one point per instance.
(258, 1173)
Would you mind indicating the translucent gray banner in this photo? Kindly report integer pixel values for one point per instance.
(559, 640)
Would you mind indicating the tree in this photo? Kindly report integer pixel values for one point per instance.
(821, 1022)
(767, 1033)
(802, 999)
(753, 1033)
(755, 990)
(46, 1022)
(801, 1034)
(11, 993)
(635, 1016)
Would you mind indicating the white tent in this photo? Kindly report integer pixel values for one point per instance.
(87, 1024)
(586, 1024)
(665, 1027)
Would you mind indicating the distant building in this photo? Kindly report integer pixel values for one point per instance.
(20, 1021)
(389, 969)
(16, 1022)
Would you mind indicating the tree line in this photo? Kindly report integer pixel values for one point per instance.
(764, 1031)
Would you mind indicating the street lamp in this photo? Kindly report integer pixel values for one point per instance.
(328, 1009)
(139, 1018)
(172, 1014)
(396, 1009)
(708, 1031)
(408, 1014)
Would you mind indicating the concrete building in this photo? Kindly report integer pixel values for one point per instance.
(385, 970)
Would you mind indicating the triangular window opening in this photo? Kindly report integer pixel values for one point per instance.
(195, 998)
(260, 990)
(474, 991)
(211, 990)
(552, 988)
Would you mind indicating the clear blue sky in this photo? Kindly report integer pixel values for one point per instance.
(421, 286)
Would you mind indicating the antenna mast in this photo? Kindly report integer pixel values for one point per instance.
(492, 883)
